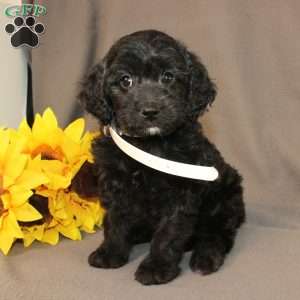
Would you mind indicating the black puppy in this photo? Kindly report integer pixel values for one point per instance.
(154, 90)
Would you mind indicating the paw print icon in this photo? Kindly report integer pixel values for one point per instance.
(24, 31)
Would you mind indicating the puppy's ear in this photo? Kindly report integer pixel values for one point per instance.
(202, 90)
(92, 95)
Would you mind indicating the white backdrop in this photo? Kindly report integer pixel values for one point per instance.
(13, 76)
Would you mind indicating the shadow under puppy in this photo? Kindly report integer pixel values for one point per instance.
(153, 90)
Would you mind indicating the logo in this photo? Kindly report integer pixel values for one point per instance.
(24, 30)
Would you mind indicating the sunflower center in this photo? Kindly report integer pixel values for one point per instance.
(48, 153)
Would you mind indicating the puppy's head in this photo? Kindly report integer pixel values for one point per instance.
(147, 84)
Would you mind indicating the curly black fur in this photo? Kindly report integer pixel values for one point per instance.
(175, 214)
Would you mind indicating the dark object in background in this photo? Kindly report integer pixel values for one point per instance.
(29, 107)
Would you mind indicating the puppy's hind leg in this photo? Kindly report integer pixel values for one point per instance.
(209, 252)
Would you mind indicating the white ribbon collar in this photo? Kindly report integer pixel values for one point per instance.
(162, 164)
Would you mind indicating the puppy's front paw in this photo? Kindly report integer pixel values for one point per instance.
(206, 262)
(150, 272)
(101, 258)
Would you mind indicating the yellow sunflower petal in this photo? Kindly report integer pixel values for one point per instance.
(45, 131)
(39, 231)
(61, 214)
(57, 173)
(88, 224)
(19, 195)
(26, 213)
(32, 233)
(28, 238)
(34, 164)
(37, 127)
(15, 165)
(53, 166)
(71, 149)
(24, 127)
(45, 192)
(6, 241)
(7, 181)
(75, 130)
(31, 179)
(17, 143)
(86, 144)
(53, 223)
(49, 118)
(51, 236)
(11, 226)
(70, 231)
(4, 138)
(58, 181)
(74, 168)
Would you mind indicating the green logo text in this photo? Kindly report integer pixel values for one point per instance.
(25, 10)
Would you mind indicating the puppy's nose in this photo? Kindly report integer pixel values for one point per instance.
(149, 113)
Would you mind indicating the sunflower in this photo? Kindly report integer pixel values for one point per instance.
(47, 186)
(17, 180)
(68, 215)
(61, 155)
(62, 152)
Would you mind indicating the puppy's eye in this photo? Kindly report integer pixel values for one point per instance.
(167, 77)
(126, 82)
